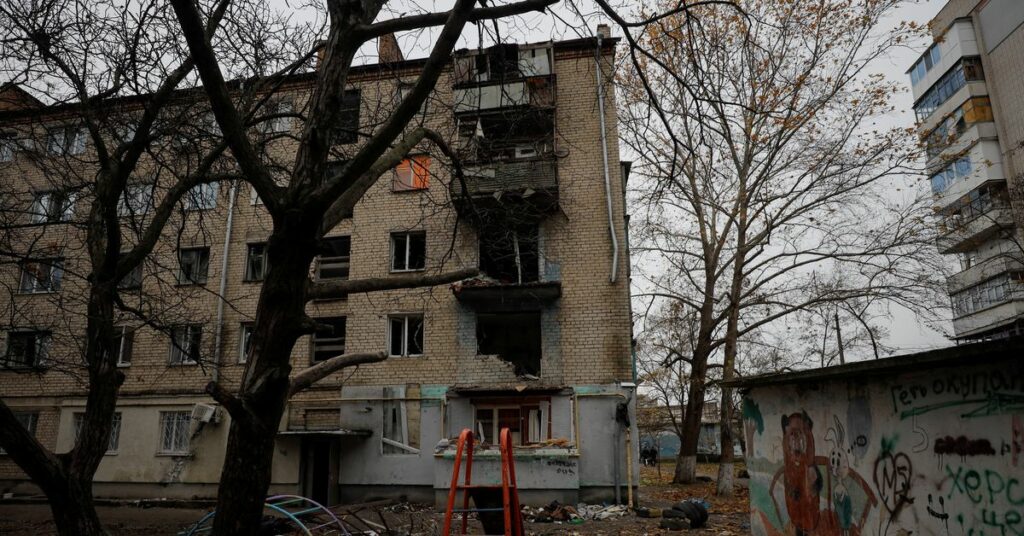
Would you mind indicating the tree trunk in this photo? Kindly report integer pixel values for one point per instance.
(256, 412)
(74, 512)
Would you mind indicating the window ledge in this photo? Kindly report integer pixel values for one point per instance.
(410, 270)
(24, 293)
(175, 455)
(184, 364)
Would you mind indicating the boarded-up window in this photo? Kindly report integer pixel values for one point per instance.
(401, 427)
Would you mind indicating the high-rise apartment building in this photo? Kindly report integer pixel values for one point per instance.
(969, 104)
(539, 343)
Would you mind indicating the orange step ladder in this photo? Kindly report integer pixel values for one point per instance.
(484, 496)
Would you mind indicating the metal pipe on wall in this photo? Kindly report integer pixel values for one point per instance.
(219, 334)
(604, 153)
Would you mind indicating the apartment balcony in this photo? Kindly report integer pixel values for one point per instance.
(317, 419)
(985, 270)
(966, 235)
(979, 322)
(986, 167)
(505, 95)
(960, 141)
(959, 41)
(496, 296)
(523, 183)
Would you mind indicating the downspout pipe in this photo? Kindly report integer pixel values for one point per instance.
(219, 334)
(604, 153)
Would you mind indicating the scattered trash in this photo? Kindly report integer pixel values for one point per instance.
(695, 511)
(647, 512)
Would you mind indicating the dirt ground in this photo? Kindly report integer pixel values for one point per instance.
(727, 516)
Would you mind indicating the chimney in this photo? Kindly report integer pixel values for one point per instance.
(388, 50)
(604, 31)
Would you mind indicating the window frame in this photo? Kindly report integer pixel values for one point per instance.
(183, 279)
(65, 140)
(182, 419)
(125, 342)
(346, 134)
(41, 344)
(52, 206)
(418, 169)
(113, 442)
(54, 275)
(245, 331)
(249, 275)
(133, 195)
(407, 236)
(194, 336)
(201, 197)
(405, 317)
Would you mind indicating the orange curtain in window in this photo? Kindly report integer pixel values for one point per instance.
(421, 171)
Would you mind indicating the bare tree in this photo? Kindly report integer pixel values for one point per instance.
(770, 187)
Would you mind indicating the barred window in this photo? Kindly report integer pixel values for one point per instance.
(115, 430)
(174, 432)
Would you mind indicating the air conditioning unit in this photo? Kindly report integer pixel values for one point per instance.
(526, 151)
(205, 413)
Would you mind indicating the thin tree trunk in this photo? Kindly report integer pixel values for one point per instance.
(686, 463)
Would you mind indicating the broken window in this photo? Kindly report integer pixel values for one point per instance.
(527, 419)
(174, 432)
(28, 419)
(412, 174)
(335, 257)
(510, 254)
(405, 335)
(408, 251)
(123, 345)
(329, 340)
(52, 207)
(185, 344)
(513, 337)
(255, 262)
(43, 275)
(115, 430)
(194, 263)
(27, 348)
(401, 427)
(347, 129)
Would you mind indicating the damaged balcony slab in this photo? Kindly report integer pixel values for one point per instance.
(487, 296)
(509, 389)
(340, 432)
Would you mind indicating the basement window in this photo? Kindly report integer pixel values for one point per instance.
(513, 337)
(401, 427)
(329, 340)
(511, 255)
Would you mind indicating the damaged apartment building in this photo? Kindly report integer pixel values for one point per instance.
(539, 342)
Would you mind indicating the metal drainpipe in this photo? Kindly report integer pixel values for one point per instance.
(219, 334)
(604, 153)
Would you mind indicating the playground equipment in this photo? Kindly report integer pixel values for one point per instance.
(300, 514)
(486, 499)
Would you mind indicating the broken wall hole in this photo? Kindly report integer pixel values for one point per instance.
(511, 254)
(512, 337)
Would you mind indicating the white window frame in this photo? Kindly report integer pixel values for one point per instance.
(28, 419)
(405, 333)
(65, 140)
(125, 342)
(184, 350)
(278, 125)
(534, 428)
(31, 284)
(115, 430)
(244, 341)
(407, 235)
(179, 443)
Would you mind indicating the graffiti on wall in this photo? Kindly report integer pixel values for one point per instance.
(928, 453)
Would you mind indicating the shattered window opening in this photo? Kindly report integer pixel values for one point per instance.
(527, 419)
(513, 337)
(405, 335)
(329, 341)
(401, 427)
(335, 258)
(511, 255)
(27, 348)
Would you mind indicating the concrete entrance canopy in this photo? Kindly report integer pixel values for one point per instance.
(929, 443)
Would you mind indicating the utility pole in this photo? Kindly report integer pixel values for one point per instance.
(839, 339)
